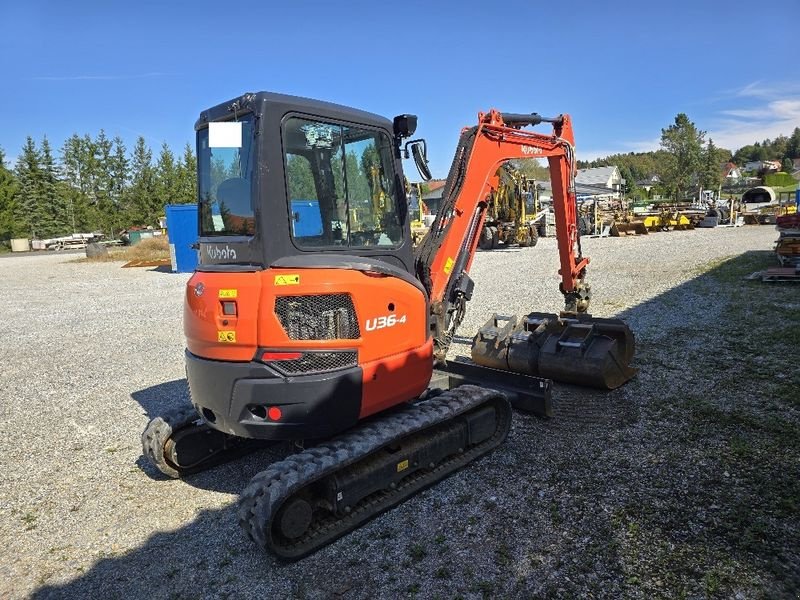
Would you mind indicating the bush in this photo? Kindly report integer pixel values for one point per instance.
(779, 179)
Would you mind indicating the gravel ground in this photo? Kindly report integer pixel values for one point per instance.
(625, 493)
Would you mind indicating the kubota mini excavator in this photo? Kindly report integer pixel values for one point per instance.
(310, 319)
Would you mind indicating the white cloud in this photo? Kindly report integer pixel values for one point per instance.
(758, 89)
(773, 117)
(763, 111)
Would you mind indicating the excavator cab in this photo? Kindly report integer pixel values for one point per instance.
(304, 305)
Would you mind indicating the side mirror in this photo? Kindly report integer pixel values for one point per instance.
(419, 150)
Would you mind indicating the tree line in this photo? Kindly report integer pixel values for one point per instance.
(687, 161)
(94, 184)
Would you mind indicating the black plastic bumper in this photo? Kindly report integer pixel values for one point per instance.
(236, 397)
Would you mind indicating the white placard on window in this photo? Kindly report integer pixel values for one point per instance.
(225, 135)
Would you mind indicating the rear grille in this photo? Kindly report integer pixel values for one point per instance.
(325, 317)
(317, 362)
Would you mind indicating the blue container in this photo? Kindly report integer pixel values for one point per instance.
(182, 231)
(306, 218)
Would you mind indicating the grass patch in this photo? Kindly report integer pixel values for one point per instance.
(726, 427)
(156, 248)
(417, 552)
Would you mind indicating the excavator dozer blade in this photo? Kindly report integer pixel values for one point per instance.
(581, 350)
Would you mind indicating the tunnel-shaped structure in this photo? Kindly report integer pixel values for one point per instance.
(759, 195)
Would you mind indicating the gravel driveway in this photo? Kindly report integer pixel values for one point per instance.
(620, 494)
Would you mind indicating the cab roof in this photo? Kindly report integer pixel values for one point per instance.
(264, 102)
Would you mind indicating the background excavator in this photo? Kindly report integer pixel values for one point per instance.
(323, 327)
(512, 213)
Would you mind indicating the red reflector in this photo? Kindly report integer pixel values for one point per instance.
(270, 356)
(274, 413)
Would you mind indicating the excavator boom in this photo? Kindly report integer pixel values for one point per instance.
(570, 347)
(444, 258)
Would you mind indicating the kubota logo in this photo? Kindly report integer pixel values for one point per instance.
(531, 150)
(220, 253)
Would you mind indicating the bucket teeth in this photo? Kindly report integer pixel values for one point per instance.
(577, 349)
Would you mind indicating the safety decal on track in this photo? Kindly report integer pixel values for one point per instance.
(227, 337)
(448, 266)
(402, 465)
(228, 293)
(287, 279)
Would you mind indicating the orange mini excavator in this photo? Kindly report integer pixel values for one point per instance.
(311, 319)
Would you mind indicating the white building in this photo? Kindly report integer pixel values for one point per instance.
(599, 182)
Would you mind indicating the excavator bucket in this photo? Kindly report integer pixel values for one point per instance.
(581, 350)
(620, 228)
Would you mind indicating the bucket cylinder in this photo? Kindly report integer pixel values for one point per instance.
(577, 349)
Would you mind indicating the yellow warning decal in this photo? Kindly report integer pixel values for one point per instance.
(287, 279)
(228, 293)
(448, 266)
(227, 337)
(402, 465)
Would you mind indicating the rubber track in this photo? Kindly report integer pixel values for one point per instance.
(267, 491)
(159, 430)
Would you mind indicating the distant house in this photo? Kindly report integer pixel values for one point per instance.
(648, 182)
(752, 166)
(767, 166)
(731, 173)
(607, 177)
(599, 182)
(433, 197)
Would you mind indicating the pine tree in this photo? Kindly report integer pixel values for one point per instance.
(9, 226)
(57, 209)
(166, 178)
(28, 208)
(793, 146)
(118, 169)
(683, 143)
(186, 189)
(711, 175)
(143, 202)
(75, 183)
(103, 184)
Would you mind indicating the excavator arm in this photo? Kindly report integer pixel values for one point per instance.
(444, 258)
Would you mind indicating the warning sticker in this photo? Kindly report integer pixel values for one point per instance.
(228, 293)
(402, 465)
(226, 337)
(448, 266)
(287, 279)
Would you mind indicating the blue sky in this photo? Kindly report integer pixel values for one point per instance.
(623, 69)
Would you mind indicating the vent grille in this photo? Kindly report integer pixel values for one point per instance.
(317, 362)
(325, 317)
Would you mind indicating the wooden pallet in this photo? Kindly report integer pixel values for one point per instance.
(781, 274)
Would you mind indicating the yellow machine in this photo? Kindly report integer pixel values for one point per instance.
(507, 219)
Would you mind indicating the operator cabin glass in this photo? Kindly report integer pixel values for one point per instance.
(224, 167)
(340, 184)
